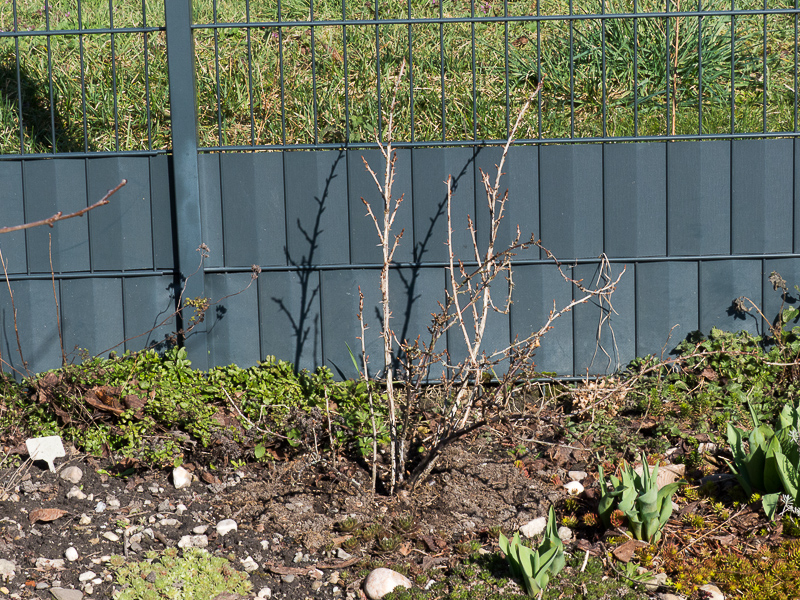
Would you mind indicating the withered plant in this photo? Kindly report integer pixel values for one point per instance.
(481, 379)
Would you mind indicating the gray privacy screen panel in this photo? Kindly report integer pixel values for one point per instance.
(13, 244)
(666, 305)
(364, 240)
(164, 246)
(232, 321)
(777, 300)
(121, 232)
(605, 331)
(521, 179)
(699, 198)
(762, 191)
(91, 315)
(340, 326)
(211, 207)
(721, 283)
(431, 169)
(148, 303)
(253, 212)
(317, 225)
(635, 199)
(52, 186)
(537, 290)
(571, 199)
(37, 323)
(289, 314)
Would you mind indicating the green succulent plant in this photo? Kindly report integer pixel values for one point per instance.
(535, 567)
(771, 464)
(646, 507)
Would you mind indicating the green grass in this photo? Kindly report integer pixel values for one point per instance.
(231, 62)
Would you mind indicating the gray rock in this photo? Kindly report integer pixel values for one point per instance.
(76, 494)
(381, 581)
(577, 475)
(713, 591)
(193, 541)
(249, 564)
(7, 569)
(533, 528)
(668, 596)
(72, 474)
(71, 554)
(564, 533)
(181, 478)
(66, 594)
(226, 526)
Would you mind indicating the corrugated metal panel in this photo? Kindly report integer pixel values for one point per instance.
(699, 198)
(521, 179)
(721, 282)
(666, 297)
(536, 289)
(635, 199)
(91, 315)
(496, 335)
(253, 209)
(616, 344)
(431, 168)
(164, 244)
(148, 302)
(762, 196)
(289, 313)
(52, 186)
(208, 171)
(232, 322)
(364, 248)
(789, 269)
(37, 325)
(121, 232)
(13, 244)
(571, 199)
(340, 327)
(316, 208)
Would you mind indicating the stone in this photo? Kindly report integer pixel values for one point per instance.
(76, 493)
(7, 569)
(533, 528)
(577, 475)
(87, 576)
(666, 473)
(72, 474)
(111, 537)
(49, 563)
(101, 507)
(381, 581)
(66, 594)
(71, 554)
(181, 478)
(265, 593)
(574, 488)
(249, 564)
(714, 593)
(226, 526)
(193, 541)
(287, 578)
(47, 449)
(564, 533)
(668, 596)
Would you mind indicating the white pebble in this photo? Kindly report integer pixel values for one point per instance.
(193, 541)
(111, 537)
(226, 526)
(533, 528)
(180, 509)
(76, 494)
(71, 554)
(574, 488)
(265, 593)
(200, 529)
(564, 533)
(72, 474)
(249, 564)
(181, 478)
(382, 581)
(87, 576)
(577, 475)
(101, 506)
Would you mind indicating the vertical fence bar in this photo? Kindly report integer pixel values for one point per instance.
(183, 109)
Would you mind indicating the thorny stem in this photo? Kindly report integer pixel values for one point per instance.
(55, 299)
(14, 311)
(365, 376)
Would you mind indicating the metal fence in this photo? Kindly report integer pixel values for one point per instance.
(205, 108)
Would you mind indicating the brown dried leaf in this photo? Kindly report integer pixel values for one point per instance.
(625, 552)
(103, 398)
(46, 514)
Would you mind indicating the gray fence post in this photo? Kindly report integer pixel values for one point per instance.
(183, 112)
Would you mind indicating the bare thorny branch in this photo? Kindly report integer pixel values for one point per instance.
(467, 307)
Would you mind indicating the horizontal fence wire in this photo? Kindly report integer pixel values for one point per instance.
(616, 71)
(83, 77)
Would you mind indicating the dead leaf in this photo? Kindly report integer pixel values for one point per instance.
(405, 548)
(103, 398)
(46, 514)
(625, 552)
